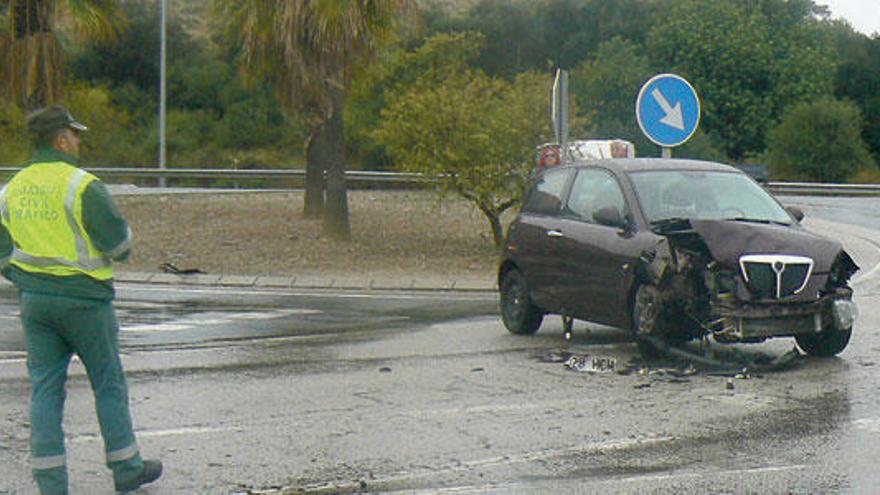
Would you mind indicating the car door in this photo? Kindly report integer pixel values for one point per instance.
(535, 235)
(596, 257)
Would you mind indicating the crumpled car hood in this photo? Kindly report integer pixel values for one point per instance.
(728, 240)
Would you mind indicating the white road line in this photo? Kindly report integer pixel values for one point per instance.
(156, 327)
(870, 424)
(170, 432)
(197, 320)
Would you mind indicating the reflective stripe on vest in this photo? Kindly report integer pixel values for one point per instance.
(84, 258)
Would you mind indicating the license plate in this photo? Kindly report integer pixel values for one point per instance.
(593, 364)
(599, 363)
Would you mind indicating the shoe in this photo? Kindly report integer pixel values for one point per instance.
(152, 471)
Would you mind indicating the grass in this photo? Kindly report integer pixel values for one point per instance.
(394, 233)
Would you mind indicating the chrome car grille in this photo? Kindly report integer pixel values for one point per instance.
(775, 276)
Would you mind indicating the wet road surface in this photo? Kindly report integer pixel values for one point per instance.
(427, 393)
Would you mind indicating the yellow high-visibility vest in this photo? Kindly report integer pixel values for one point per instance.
(41, 207)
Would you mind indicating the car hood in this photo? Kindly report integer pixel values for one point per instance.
(728, 240)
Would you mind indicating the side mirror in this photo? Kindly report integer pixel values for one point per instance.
(796, 212)
(609, 216)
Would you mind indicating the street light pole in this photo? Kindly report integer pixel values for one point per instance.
(162, 95)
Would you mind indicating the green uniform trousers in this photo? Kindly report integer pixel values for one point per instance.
(55, 327)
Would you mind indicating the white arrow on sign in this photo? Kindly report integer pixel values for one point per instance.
(674, 117)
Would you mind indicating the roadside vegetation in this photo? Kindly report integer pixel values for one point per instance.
(459, 88)
(399, 234)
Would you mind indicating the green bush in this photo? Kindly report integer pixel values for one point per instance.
(113, 139)
(14, 148)
(819, 141)
(251, 123)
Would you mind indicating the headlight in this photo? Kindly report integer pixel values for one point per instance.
(845, 313)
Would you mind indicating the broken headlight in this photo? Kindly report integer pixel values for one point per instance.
(845, 313)
(719, 280)
(841, 270)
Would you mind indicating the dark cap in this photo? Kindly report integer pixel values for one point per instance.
(47, 120)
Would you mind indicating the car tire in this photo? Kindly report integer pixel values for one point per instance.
(519, 315)
(646, 319)
(827, 343)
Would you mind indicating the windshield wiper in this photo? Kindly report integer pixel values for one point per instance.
(669, 224)
(757, 220)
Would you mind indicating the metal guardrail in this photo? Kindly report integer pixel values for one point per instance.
(379, 179)
(356, 178)
(819, 189)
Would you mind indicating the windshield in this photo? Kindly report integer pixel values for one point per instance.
(676, 194)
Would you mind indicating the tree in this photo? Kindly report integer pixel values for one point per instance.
(819, 141)
(747, 60)
(308, 50)
(606, 88)
(535, 35)
(13, 134)
(475, 134)
(858, 79)
(30, 43)
(434, 60)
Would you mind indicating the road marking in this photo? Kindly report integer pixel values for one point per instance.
(189, 430)
(13, 356)
(870, 424)
(194, 320)
(157, 327)
(170, 432)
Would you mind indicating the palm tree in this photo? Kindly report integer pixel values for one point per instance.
(34, 55)
(309, 49)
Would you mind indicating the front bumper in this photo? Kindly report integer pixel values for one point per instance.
(733, 321)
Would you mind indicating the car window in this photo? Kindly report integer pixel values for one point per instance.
(545, 197)
(593, 190)
(666, 194)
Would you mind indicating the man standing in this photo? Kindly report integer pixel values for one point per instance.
(60, 233)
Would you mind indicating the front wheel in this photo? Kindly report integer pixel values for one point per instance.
(646, 319)
(519, 315)
(827, 343)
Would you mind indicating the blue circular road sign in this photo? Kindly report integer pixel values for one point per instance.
(668, 110)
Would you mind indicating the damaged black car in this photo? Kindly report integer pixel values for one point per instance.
(673, 250)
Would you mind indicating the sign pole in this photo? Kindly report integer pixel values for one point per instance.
(667, 152)
(563, 118)
(162, 89)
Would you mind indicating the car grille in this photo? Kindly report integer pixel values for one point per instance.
(775, 276)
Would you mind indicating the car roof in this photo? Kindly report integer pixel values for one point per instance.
(645, 164)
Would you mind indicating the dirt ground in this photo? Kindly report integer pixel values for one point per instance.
(394, 233)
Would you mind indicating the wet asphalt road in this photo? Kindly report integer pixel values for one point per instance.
(241, 390)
